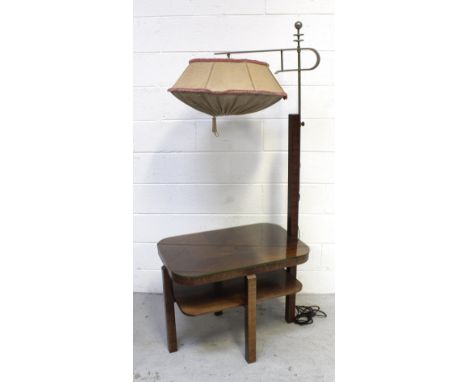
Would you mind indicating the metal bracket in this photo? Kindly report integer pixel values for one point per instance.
(317, 56)
(317, 61)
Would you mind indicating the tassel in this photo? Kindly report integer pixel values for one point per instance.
(214, 129)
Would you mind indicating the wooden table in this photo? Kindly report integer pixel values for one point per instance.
(211, 271)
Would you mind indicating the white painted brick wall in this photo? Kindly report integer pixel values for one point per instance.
(185, 179)
(229, 32)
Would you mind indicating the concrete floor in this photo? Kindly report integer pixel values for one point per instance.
(212, 348)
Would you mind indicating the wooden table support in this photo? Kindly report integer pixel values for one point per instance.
(218, 286)
(290, 311)
(169, 309)
(250, 318)
(294, 172)
(209, 272)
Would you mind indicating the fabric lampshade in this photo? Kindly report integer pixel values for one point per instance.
(227, 86)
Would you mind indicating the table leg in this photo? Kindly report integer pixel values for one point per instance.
(250, 318)
(290, 311)
(169, 309)
(218, 286)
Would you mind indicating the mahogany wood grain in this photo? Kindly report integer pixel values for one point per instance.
(169, 310)
(219, 255)
(294, 171)
(212, 298)
(250, 318)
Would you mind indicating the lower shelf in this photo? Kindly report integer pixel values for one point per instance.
(209, 298)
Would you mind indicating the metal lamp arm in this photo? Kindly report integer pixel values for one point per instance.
(317, 56)
(299, 69)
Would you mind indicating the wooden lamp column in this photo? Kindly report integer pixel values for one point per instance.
(294, 155)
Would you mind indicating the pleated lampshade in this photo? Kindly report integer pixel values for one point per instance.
(227, 86)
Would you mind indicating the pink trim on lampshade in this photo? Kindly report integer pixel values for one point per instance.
(228, 60)
(226, 92)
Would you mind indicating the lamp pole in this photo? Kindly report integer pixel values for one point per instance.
(294, 170)
(294, 151)
(298, 26)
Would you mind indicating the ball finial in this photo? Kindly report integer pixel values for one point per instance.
(298, 25)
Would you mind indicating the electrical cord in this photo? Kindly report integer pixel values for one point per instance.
(305, 314)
